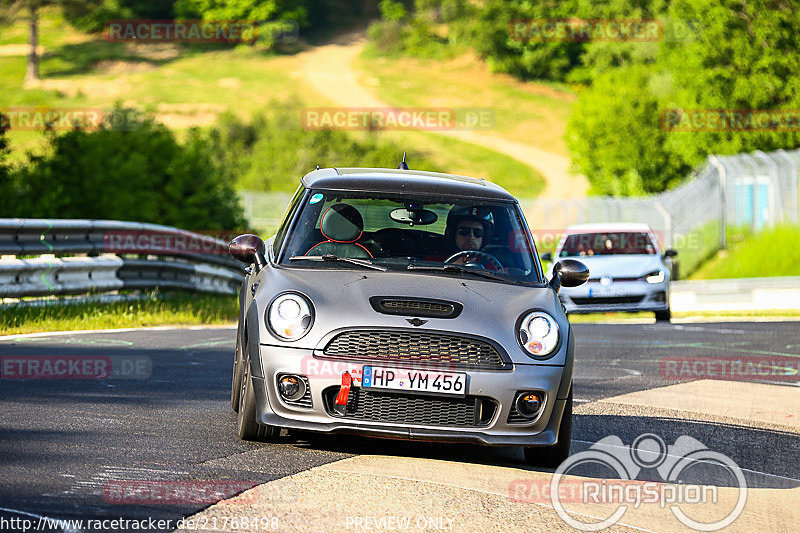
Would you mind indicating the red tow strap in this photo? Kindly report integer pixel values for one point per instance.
(344, 390)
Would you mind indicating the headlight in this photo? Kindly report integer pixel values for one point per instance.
(289, 317)
(538, 333)
(656, 276)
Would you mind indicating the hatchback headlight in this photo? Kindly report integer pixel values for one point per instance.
(657, 276)
(290, 316)
(538, 334)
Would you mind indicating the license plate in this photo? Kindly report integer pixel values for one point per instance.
(378, 377)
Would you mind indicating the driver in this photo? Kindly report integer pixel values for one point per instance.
(468, 228)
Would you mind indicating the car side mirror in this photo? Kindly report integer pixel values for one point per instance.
(547, 256)
(568, 273)
(670, 253)
(249, 249)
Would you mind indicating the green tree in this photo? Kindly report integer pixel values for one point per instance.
(616, 139)
(131, 168)
(739, 55)
(10, 9)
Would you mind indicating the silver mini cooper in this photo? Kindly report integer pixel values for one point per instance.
(404, 304)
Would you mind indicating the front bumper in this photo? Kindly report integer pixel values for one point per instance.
(624, 296)
(499, 386)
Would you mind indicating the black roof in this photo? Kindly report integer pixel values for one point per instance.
(414, 182)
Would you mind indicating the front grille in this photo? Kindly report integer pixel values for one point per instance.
(413, 409)
(415, 307)
(415, 347)
(608, 300)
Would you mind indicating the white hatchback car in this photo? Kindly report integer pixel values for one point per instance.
(629, 271)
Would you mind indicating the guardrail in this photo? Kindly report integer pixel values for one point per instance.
(111, 255)
(742, 294)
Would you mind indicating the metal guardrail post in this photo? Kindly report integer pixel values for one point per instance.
(795, 215)
(723, 219)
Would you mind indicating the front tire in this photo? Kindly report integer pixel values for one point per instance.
(664, 316)
(249, 428)
(236, 382)
(552, 456)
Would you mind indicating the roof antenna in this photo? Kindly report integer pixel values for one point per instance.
(403, 165)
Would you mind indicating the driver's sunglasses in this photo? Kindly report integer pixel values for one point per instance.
(478, 232)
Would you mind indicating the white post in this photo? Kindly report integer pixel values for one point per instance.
(723, 175)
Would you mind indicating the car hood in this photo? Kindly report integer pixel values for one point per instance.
(341, 300)
(620, 266)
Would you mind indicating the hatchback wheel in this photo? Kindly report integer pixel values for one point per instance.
(552, 456)
(249, 428)
(664, 316)
(236, 382)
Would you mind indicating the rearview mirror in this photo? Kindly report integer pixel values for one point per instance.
(568, 273)
(248, 249)
(670, 253)
(547, 256)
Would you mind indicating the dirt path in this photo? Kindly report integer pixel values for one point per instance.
(329, 70)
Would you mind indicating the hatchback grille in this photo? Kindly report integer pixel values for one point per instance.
(415, 347)
(608, 300)
(412, 409)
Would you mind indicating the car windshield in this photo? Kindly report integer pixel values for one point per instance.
(481, 239)
(610, 243)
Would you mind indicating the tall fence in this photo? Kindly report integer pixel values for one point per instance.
(754, 190)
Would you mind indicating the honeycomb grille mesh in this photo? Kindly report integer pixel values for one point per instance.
(415, 347)
(374, 406)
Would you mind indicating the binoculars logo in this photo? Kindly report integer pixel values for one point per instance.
(649, 453)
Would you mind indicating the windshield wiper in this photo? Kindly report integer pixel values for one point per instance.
(331, 257)
(460, 269)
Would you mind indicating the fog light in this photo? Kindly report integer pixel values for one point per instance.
(528, 404)
(291, 387)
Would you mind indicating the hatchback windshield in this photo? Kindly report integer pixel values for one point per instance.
(370, 230)
(611, 243)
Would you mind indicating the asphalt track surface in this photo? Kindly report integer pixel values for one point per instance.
(65, 444)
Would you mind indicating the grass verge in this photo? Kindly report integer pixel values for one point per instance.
(690, 316)
(156, 309)
(773, 252)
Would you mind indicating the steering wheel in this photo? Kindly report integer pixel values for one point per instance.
(470, 253)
